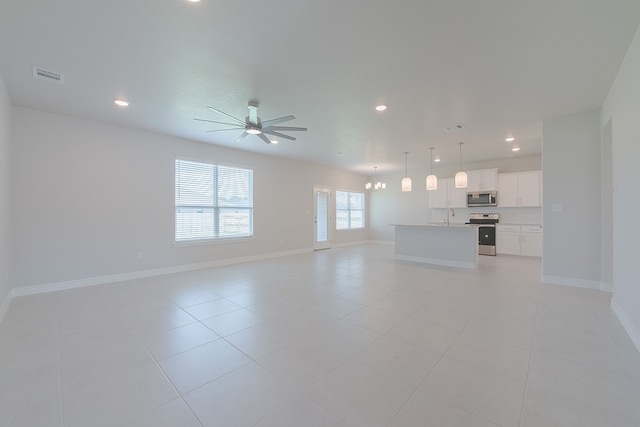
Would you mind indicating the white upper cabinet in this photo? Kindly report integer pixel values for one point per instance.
(482, 180)
(520, 189)
(447, 195)
(530, 188)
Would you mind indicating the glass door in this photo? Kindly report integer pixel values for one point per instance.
(321, 218)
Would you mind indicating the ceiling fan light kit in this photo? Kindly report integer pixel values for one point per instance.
(253, 125)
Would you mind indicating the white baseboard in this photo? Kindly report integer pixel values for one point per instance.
(607, 287)
(5, 305)
(628, 326)
(101, 280)
(578, 283)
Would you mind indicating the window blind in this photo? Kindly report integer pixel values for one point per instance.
(212, 201)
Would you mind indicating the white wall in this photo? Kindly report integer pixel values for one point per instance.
(607, 205)
(622, 108)
(88, 197)
(5, 198)
(392, 206)
(572, 200)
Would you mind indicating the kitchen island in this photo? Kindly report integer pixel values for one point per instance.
(454, 245)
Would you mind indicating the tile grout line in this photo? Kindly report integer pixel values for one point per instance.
(425, 379)
(628, 377)
(526, 382)
(59, 367)
(157, 363)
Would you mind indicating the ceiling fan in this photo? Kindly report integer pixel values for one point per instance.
(252, 124)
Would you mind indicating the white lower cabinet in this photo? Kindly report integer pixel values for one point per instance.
(525, 240)
(531, 240)
(508, 239)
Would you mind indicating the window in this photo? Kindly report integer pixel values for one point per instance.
(349, 210)
(213, 201)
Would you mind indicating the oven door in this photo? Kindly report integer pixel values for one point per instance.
(487, 240)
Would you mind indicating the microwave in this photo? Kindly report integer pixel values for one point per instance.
(482, 198)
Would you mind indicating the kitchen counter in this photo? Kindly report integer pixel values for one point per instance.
(454, 245)
(443, 224)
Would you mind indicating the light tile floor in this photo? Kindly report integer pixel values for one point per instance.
(343, 337)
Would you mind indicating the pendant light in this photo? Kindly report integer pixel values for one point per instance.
(461, 177)
(406, 181)
(376, 185)
(432, 180)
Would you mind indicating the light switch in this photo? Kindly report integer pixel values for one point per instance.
(556, 207)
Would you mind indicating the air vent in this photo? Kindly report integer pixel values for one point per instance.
(457, 126)
(50, 76)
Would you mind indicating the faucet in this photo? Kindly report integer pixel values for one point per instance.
(452, 214)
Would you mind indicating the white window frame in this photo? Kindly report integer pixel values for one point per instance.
(204, 201)
(349, 211)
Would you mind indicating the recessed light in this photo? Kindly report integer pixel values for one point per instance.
(510, 139)
(194, 1)
(274, 141)
(121, 103)
(515, 149)
(381, 107)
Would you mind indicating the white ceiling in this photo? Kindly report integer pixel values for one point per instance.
(499, 67)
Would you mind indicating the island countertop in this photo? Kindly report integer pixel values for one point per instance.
(438, 225)
(454, 245)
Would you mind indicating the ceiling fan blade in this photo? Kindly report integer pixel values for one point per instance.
(220, 130)
(220, 123)
(263, 137)
(227, 115)
(287, 128)
(242, 136)
(278, 120)
(278, 134)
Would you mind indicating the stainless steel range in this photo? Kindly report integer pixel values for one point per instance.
(486, 231)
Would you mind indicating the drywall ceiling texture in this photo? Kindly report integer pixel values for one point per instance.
(622, 109)
(497, 67)
(89, 197)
